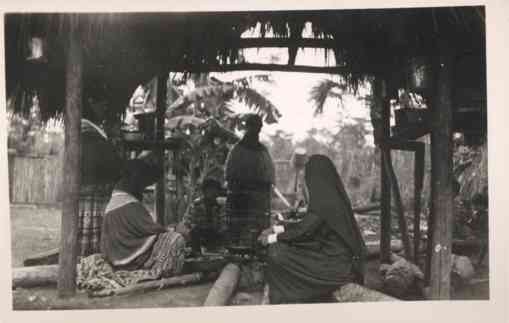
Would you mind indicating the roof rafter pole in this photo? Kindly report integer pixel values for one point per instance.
(259, 67)
(442, 173)
(285, 42)
(71, 181)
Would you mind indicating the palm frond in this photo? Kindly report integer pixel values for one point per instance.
(223, 89)
(324, 90)
(260, 104)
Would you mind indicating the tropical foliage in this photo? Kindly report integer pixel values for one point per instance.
(203, 116)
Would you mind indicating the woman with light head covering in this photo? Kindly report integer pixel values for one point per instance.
(308, 260)
(131, 237)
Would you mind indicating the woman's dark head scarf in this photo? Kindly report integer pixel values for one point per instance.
(138, 174)
(329, 200)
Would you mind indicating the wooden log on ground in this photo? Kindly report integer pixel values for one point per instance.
(26, 277)
(356, 293)
(224, 286)
(204, 264)
(49, 257)
(374, 248)
(35, 276)
(367, 208)
(143, 287)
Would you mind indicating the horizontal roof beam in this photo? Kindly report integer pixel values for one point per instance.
(260, 67)
(285, 42)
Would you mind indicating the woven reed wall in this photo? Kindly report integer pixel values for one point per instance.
(35, 179)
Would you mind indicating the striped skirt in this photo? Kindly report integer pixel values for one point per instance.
(247, 214)
(93, 200)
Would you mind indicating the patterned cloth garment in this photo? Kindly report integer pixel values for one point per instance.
(247, 214)
(99, 278)
(93, 200)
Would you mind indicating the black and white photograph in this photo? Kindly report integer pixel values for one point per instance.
(247, 158)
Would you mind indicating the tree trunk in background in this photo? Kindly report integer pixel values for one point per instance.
(385, 218)
(393, 182)
(418, 184)
(71, 180)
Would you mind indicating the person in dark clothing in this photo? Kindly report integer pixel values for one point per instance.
(101, 166)
(206, 218)
(250, 176)
(309, 259)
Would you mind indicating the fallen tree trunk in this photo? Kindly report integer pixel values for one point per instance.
(356, 293)
(224, 286)
(156, 284)
(27, 277)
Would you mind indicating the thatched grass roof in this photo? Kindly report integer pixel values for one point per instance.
(123, 50)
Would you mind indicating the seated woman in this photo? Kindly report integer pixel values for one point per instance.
(131, 237)
(308, 260)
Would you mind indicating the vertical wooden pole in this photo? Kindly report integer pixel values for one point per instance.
(160, 114)
(442, 175)
(393, 183)
(71, 180)
(179, 185)
(418, 184)
(385, 214)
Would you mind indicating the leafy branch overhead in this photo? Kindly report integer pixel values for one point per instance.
(240, 89)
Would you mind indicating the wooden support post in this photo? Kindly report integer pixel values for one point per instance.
(385, 221)
(160, 115)
(71, 180)
(442, 175)
(418, 184)
(429, 237)
(179, 185)
(393, 183)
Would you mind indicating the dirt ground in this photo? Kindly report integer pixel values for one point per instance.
(35, 230)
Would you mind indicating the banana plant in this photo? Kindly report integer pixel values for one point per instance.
(203, 117)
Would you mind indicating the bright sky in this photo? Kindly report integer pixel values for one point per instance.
(290, 93)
